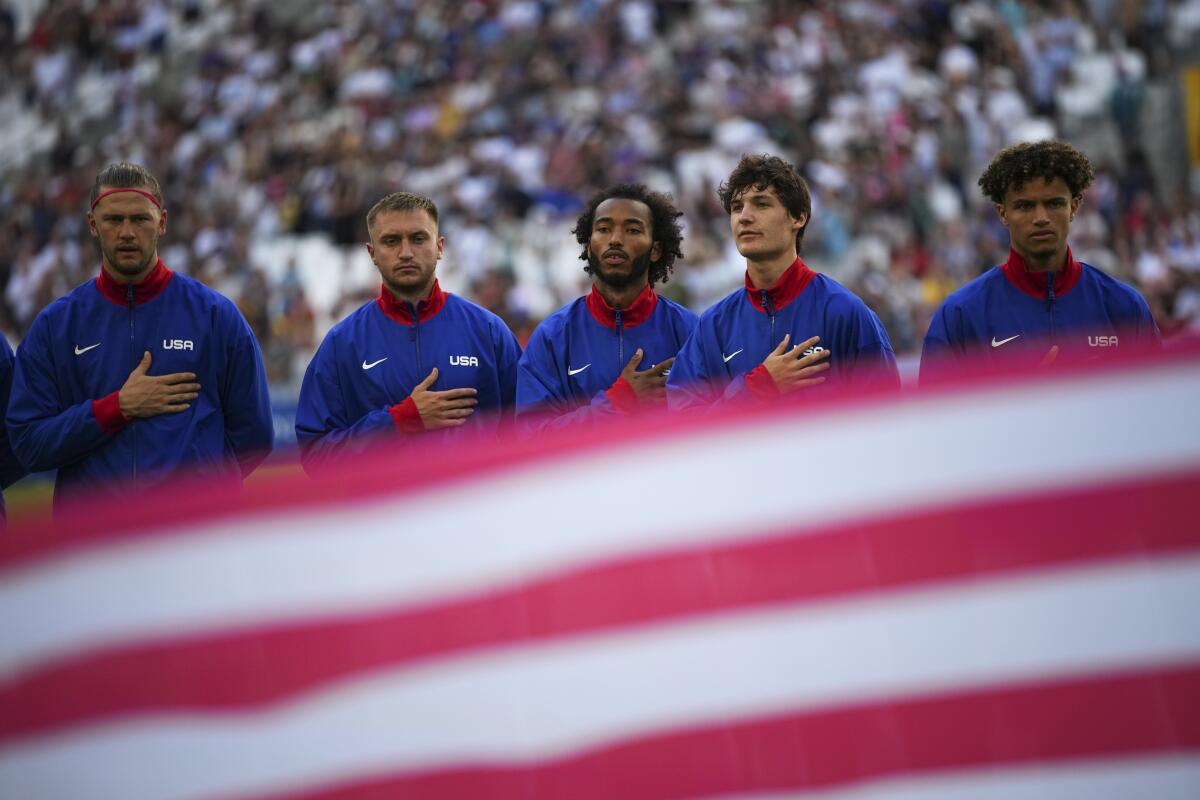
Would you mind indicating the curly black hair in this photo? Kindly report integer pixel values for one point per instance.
(665, 228)
(1017, 165)
(763, 171)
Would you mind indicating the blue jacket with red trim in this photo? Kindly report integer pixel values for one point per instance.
(11, 470)
(1013, 315)
(65, 414)
(570, 370)
(723, 358)
(357, 386)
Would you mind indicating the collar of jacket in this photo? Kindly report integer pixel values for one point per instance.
(400, 311)
(789, 286)
(638, 312)
(1034, 283)
(144, 290)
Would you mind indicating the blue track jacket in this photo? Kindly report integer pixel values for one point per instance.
(570, 369)
(1013, 315)
(357, 386)
(11, 470)
(64, 412)
(723, 358)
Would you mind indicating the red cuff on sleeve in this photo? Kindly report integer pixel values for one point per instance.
(760, 383)
(406, 418)
(107, 411)
(622, 396)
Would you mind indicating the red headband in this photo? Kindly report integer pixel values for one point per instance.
(107, 192)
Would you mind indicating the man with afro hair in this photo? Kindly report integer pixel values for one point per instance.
(608, 353)
(1041, 305)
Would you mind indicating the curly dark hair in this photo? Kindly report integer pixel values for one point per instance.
(1017, 165)
(663, 223)
(763, 171)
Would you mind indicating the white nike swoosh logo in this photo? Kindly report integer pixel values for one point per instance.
(577, 371)
(1004, 341)
(81, 350)
(731, 355)
(373, 363)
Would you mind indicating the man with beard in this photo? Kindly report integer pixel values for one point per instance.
(1041, 306)
(584, 361)
(790, 328)
(414, 362)
(141, 373)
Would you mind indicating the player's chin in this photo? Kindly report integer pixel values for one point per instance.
(750, 248)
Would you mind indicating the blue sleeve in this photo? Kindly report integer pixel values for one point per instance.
(322, 429)
(245, 401)
(939, 352)
(43, 433)
(11, 470)
(543, 403)
(875, 360)
(508, 356)
(1147, 333)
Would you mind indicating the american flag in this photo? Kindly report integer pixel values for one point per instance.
(987, 590)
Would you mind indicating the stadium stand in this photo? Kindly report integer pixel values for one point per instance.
(273, 125)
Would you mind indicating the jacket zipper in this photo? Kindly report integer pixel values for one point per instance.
(416, 336)
(620, 341)
(769, 305)
(1050, 305)
(135, 361)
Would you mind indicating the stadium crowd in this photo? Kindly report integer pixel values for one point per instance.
(274, 126)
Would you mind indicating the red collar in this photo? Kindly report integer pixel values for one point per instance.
(400, 311)
(789, 286)
(144, 290)
(1034, 283)
(638, 312)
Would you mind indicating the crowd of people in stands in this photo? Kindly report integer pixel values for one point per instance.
(269, 121)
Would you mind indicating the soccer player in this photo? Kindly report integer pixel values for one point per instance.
(790, 328)
(1041, 305)
(414, 360)
(141, 373)
(608, 353)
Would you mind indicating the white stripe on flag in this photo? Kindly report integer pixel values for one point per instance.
(490, 532)
(527, 704)
(1173, 778)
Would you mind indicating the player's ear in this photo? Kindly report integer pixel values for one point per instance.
(370, 251)
(92, 225)
(441, 242)
(1076, 202)
(1001, 214)
(162, 222)
(655, 252)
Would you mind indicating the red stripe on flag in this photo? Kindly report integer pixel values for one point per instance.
(1142, 713)
(261, 666)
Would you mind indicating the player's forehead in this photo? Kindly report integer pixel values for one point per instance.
(1038, 189)
(622, 211)
(123, 202)
(407, 222)
(755, 193)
